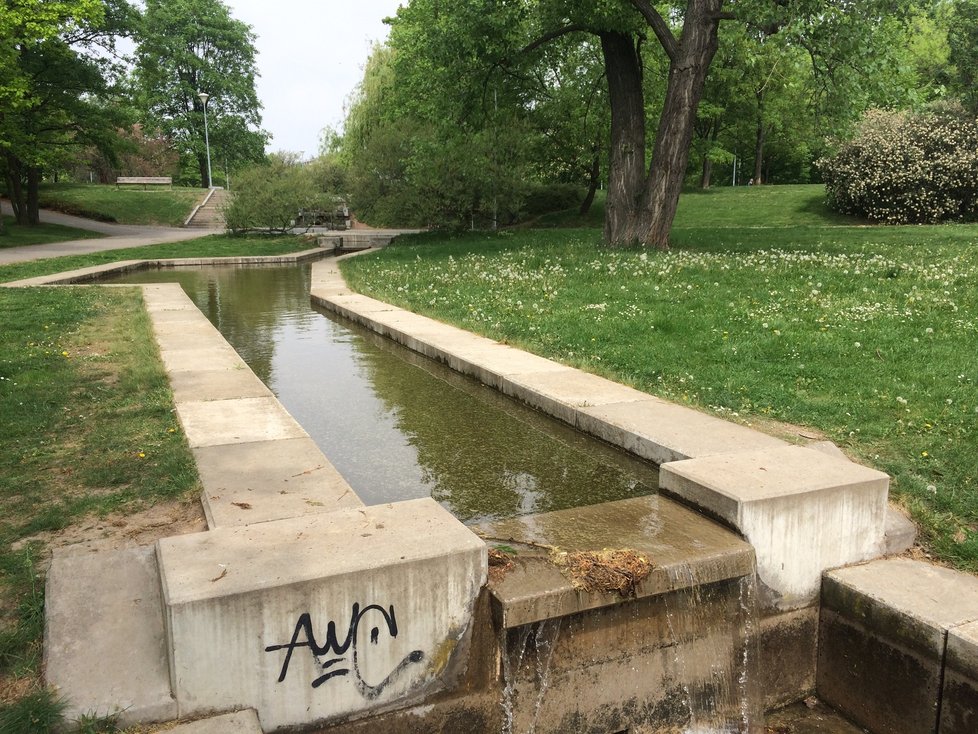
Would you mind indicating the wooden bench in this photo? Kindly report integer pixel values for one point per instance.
(145, 180)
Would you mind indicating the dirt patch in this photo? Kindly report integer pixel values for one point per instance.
(126, 530)
(500, 564)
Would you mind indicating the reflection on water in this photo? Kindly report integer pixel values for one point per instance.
(396, 425)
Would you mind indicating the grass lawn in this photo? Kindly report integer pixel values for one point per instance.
(125, 205)
(767, 309)
(15, 235)
(80, 377)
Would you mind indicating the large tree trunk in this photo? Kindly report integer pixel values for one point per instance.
(627, 156)
(687, 75)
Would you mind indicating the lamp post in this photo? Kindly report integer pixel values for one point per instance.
(204, 96)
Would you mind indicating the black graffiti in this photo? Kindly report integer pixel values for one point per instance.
(304, 636)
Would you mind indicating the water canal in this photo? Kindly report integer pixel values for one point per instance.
(395, 424)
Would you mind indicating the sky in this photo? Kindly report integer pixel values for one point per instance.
(311, 55)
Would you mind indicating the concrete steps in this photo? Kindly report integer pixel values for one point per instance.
(210, 215)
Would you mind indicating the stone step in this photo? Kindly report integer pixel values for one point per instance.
(104, 649)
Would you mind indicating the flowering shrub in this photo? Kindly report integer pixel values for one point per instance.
(907, 167)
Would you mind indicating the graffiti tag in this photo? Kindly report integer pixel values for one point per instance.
(331, 657)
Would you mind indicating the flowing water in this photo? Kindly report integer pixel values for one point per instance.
(396, 425)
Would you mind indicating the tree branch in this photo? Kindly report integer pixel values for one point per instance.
(548, 37)
(659, 27)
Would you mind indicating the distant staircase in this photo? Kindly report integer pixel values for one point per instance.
(210, 214)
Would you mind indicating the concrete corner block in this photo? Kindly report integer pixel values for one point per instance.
(884, 631)
(959, 703)
(901, 532)
(786, 499)
(319, 617)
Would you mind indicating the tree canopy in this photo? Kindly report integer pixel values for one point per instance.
(456, 69)
(191, 46)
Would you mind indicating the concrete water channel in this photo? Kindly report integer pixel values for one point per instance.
(318, 610)
(397, 425)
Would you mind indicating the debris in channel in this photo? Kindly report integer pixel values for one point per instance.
(607, 570)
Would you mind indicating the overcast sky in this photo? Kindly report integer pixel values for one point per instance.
(311, 55)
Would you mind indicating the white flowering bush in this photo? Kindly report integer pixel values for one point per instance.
(907, 167)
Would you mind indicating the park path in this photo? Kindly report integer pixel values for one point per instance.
(117, 237)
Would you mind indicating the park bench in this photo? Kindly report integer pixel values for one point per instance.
(145, 180)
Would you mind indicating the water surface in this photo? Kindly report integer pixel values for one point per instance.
(395, 424)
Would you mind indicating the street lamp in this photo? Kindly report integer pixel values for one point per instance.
(204, 96)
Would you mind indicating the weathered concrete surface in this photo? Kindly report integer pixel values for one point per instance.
(900, 532)
(239, 722)
(882, 640)
(319, 617)
(788, 653)
(104, 649)
(269, 480)
(686, 549)
(236, 420)
(646, 665)
(959, 703)
(784, 500)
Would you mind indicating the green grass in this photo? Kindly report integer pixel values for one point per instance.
(210, 246)
(867, 334)
(125, 205)
(80, 377)
(15, 235)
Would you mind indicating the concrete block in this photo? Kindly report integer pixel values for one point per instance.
(240, 420)
(882, 637)
(685, 548)
(663, 432)
(104, 649)
(239, 722)
(900, 532)
(269, 480)
(200, 385)
(786, 499)
(959, 703)
(218, 358)
(315, 618)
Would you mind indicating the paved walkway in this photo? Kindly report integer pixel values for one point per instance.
(117, 237)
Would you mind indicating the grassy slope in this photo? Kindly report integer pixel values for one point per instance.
(767, 308)
(126, 205)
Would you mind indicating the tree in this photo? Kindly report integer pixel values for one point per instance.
(269, 196)
(57, 92)
(962, 40)
(645, 173)
(193, 46)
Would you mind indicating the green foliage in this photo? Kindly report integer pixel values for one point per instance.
(192, 46)
(269, 197)
(906, 167)
(962, 40)
(41, 712)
